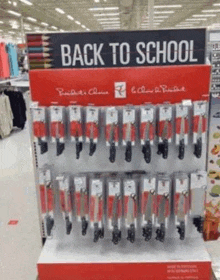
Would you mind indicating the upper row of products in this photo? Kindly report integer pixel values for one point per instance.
(151, 123)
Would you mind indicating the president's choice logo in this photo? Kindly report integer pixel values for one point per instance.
(120, 90)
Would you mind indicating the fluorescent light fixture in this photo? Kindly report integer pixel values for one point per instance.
(9, 2)
(161, 17)
(167, 6)
(164, 12)
(60, 11)
(96, 1)
(109, 22)
(216, 4)
(83, 26)
(27, 28)
(211, 11)
(11, 32)
(1, 21)
(32, 19)
(70, 17)
(107, 19)
(54, 27)
(155, 20)
(44, 23)
(15, 4)
(194, 19)
(26, 2)
(111, 28)
(61, 30)
(104, 9)
(107, 14)
(87, 29)
(206, 15)
(14, 13)
(77, 22)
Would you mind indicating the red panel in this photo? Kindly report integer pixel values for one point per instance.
(143, 84)
(125, 271)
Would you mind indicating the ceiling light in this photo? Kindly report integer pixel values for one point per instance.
(54, 27)
(167, 6)
(108, 14)
(96, 1)
(104, 9)
(70, 17)
(217, 4)
(87, 29)
(61, 30)
(14, 13)
(109, 28)
(9, 2)
(27, 28)
(11, 32)
(163, 12)
(210, 11)
(44, 23)
(60, 11)
(15, 4)
(1, 21)
(107, 19)
(77, 22)
(193, 19)
(208, 15)
(32, 19)
(83, 26)
(161, 16)
(26, 2)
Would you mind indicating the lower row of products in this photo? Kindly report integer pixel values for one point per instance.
(129, 201)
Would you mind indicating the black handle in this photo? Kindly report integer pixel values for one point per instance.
(98, 233)
(112, 152)
(181, 149)
(49, 224)
(131, 233)
(165, 148)
(43, 146)
(160, 232)
(116, 235)
(147, 231)
(92, 147)
(68, 225)
(198, 148)
(160, 149)
(84, 226)
(78, 149)
(146, 150)
(60, 147)
(181, 230)
(128, 152)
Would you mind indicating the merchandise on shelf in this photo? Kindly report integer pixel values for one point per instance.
(92, 130)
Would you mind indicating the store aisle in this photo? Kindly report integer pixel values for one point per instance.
(20, 244)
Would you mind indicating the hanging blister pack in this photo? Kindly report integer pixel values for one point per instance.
(46, 199)
(40, 128)
(114, 209)
(148, 200)
(65, 195)
(75, 127)
(130, 208)
(181, 202)
(198, 186)
(57, 128)
(165, 131)
(129, 131)
(147, 130)
(199, 126)
(82, 201)
(182, 128)
(96, 211)
(162, 206)
(112, 131)
(92, 130)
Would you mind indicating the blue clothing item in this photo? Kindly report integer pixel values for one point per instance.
(13, 60)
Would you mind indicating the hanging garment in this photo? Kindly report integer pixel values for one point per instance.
(6, 116)
(13, 60)
(18, 107)
(4, 62)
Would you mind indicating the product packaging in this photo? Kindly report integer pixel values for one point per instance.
(148, 202)
(96, 211)
(92, 129)
(65, 194)
(129, 131)
(57, 128)
(147, 130)
(82, 201)
(75, 128)
(112, 131)
(165, 131)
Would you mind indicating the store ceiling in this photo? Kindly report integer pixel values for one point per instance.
(97, 15)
